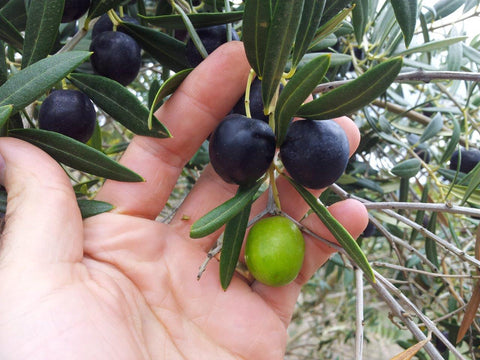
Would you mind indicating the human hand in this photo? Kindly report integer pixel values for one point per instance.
(121, 285)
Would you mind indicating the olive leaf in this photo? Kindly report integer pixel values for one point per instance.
(15, 11)
(407, 168)
(360, 19)
(452, 144)
(167, 88)
(223, 213)
(75, 154)
(41, 29)
(332, 8)
(311, 15)
(28, 84)
(406, 15)
(432, 129)
(167, 50)
(5, 112)
(9, 33)
(296, 92)
(330, 26)
(353, 95)
(117, 101)
(338, 231)
(99, 7)
(93, 207)
(232, 244)
(281, 35)
(257, 17)
(198, 20)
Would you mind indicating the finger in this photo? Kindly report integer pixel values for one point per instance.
(191, 114)
(211, 191)
(353, 216)
(43, 221)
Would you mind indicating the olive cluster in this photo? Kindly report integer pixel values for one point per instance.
(116, 55)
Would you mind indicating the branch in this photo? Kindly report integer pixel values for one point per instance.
(448, 208)
(417, 75)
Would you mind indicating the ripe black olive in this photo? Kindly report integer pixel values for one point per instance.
(315, 152)
(241, 149)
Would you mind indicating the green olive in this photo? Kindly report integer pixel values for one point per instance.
(274, 251)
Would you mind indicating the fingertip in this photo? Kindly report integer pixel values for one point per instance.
(352, 132)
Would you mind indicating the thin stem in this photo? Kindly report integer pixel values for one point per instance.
(447, 208)
(359, 320)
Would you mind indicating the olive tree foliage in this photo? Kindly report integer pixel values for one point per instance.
(405, 71)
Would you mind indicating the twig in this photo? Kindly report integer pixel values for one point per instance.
(76, 38)
(417, 75)
(445, 244)
(423, 272)
(359, 326)
(448, 208)
(429, 324)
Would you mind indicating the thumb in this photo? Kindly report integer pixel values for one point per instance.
(42, 222)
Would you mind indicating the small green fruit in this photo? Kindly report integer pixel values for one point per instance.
(274, 251)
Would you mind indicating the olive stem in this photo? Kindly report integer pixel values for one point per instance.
(251, 76)
(274, 191)
(114, 18)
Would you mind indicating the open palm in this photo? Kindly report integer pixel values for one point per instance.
(121, 285)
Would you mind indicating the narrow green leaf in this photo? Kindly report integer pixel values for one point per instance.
(474, 181)
(338, 231)
(433, 45)
(360, 19)
(76, 154)
(167, 88)
(407, 168)
(353, 95)
(15, 12)
(93, 207)
(443, 8)
(335, 59)
(459, 192)
(430, 244)
(332, 8)
(152, 92)
(433, 128)
(3, 64)
(330, 26)
(311, 16)
(5, 112)
(232, 244)
(192, 32)
(256, 24)
(27, 85)
(455, 53)
(281, 35)
(117, 101)
(100, 7)
(167, 50)
(43, 20)
(296, 91)
(452, 144)
(406, 15)
(198, 20)
(223, 213)
(10, 34)
(95, 140)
